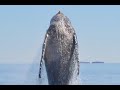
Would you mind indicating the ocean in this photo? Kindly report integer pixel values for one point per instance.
(90, 74)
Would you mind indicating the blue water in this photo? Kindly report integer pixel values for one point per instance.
(90, 74)
(100, 74)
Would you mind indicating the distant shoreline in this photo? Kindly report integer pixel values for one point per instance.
(97, 62)
(92, 62)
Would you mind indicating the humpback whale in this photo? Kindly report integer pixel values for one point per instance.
(60, 52)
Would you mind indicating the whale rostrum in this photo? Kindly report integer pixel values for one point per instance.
(60, 52)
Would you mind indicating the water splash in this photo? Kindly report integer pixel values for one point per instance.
(33, 71)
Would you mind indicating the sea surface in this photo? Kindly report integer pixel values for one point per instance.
(90, 74)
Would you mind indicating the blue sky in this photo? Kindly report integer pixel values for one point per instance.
(22, 31)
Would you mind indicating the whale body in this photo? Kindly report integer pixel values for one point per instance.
(60, 52)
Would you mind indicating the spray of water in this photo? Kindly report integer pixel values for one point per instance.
(33, 71)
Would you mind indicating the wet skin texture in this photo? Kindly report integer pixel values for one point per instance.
(60, 51)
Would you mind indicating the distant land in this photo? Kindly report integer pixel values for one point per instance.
(93, 62)
(97, 62)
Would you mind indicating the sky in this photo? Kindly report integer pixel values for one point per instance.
(23, 27)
